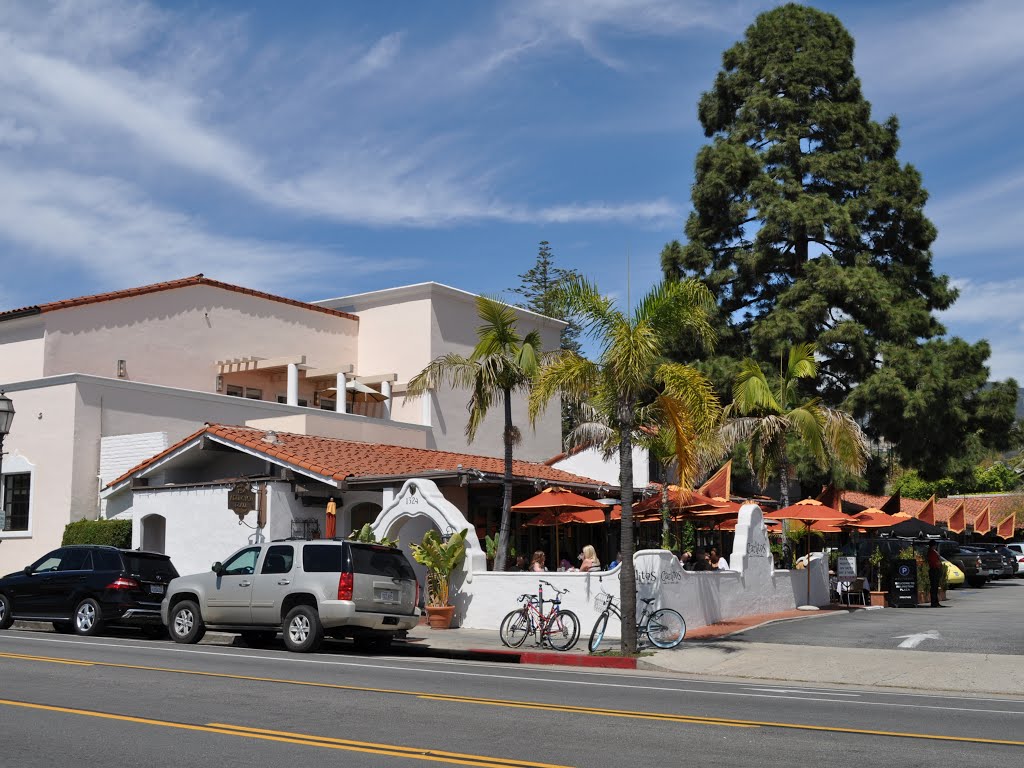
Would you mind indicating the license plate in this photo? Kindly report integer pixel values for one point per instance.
(156, 589)
(386, 595)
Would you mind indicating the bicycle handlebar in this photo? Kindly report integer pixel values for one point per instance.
(557, 590)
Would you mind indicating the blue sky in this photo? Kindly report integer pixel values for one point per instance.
(345, 147)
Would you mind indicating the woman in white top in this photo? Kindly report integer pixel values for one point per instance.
(589, 558)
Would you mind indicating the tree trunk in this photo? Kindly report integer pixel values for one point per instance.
(627, 577)
(505, 530)
(664, 513)
(784, 483)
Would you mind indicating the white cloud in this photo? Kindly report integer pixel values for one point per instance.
(993, 311)
(980, 219)
(108, 228)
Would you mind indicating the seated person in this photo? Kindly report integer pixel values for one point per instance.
(588, 559)
(616, 561)
(700, 560)
(686, 560)
(537, 564)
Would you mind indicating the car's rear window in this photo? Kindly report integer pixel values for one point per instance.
(381, 561)
(149, 568)
(321, 558)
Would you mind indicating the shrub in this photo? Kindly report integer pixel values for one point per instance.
(112, 533)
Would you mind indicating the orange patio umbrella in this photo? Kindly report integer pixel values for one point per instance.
(873, 518)
(559, 506)
(808, 512)
(1005, 529)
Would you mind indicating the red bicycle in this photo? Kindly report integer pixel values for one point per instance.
(557, 629)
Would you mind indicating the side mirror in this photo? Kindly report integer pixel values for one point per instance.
(28, 570)
(217, 568)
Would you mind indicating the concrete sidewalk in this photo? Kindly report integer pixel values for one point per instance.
(718, 651)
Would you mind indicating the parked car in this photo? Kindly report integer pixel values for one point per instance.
(954, 576)
(1017, 547)
(304, 589)
(1010, 566)
(992, 561)
(83, 588)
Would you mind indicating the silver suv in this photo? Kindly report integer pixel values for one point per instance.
(302, 588)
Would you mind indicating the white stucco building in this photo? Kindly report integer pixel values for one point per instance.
(100, 383)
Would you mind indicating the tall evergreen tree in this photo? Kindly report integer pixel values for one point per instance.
(541, 288)
(808, 228)
(805, 224)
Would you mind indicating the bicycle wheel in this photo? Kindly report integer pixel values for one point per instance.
(562, 630)
(666, 628)
(597, 633)
(515, 628)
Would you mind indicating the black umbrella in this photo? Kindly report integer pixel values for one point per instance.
(913, 527)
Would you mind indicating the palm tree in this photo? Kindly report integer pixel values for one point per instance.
(501, 364)
(632, 386)
(766, 414)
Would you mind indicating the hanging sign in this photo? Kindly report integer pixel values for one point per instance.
(241, 499)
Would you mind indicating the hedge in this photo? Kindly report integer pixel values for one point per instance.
(113, 533)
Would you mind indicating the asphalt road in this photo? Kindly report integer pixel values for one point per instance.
(107, 701)
(985, 620)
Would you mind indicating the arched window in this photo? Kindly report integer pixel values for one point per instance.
(364, 512)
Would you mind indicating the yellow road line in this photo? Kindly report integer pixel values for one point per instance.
(567, 708)
(497, 761)
(285, 737)
(50, 659)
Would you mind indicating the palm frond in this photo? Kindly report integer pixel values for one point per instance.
(752, 393)
(802, 364)
(674, 306)
(846, 441)
(595, 313)
(568, 374)
(808, 422)
(455, 370)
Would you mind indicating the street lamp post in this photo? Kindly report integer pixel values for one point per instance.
(6, 417)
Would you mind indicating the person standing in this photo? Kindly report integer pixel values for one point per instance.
(934, 573)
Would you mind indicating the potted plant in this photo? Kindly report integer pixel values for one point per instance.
(441, 559)
(877, 594)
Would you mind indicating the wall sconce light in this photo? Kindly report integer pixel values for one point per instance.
(448, 533)
(220, 383)
(122, 369)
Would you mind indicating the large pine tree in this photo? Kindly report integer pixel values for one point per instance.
(805, 224)
(809, 229)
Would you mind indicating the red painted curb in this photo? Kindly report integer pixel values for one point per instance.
(564, 659)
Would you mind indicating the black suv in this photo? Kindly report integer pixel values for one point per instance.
(83, 587)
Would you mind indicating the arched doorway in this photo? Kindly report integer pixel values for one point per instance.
(363, 513)
(154, 533)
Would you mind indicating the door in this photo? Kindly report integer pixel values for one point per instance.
(68, 585)
(229, 598)
(272, 584)
(30, 592)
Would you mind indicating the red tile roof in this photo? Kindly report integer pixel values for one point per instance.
(340, 459)
(1001, 505)
(184, 282)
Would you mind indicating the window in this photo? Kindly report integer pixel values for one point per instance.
(321, 558)
(107, 560)
(49, 562)
(76, 560)
(284, 399)
(381, 561)
(278, 560)
(328, 404)
(252, 393)
(15, 501)
(242, 564)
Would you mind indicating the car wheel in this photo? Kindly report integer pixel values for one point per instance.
(258, 638)
(6, 617)
(88, 618)
(303, 631)
(63, 627)
(186, 624)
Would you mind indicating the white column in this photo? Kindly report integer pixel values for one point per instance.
(426, 408)
(293, 384)
(340, 403)
(385, 389)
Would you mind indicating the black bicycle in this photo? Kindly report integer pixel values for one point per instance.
(664, 627)
(556, 628)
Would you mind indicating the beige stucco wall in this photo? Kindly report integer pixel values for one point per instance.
(403, 329)
(176, 337)
(42, 439)
(22, 342)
